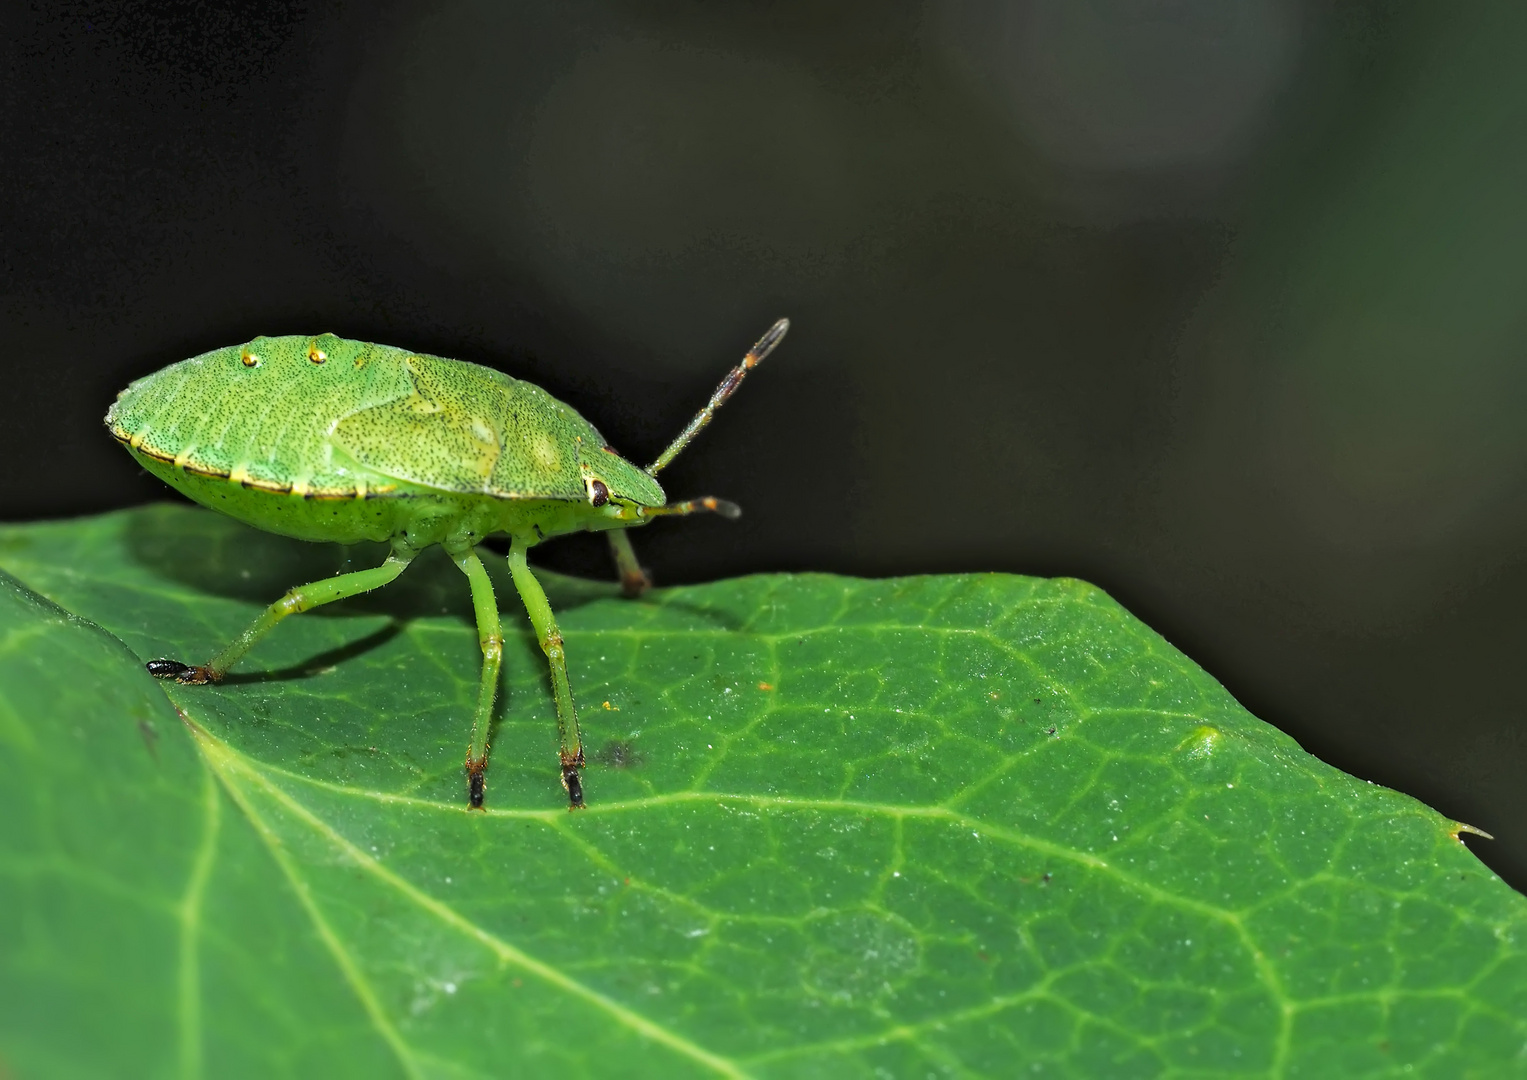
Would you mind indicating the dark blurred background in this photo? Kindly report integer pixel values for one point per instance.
(1216, 305)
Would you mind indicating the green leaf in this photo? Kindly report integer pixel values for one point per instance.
(951, 826)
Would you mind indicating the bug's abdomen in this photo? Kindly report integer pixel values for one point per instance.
(260, 415)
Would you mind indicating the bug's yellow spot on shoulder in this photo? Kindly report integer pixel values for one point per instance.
(316, 354)
(249, 357)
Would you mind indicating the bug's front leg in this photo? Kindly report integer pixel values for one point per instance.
(303, 598)
(570, 744)
(491, 637)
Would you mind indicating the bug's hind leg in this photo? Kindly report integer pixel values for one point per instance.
(491, 637)
(633, 579)
(570, 743)
(302, 598)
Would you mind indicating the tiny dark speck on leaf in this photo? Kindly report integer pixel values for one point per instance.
(150, 737)
(618, 754)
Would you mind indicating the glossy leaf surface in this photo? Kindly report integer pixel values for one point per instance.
(964, 826)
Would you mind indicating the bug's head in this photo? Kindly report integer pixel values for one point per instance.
(621, 495)
(618, 492)
(629, 495)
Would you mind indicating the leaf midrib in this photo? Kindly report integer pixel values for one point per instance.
(229, 764)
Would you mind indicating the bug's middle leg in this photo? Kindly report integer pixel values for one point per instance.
(545, 624)
(490, 636)
(302, 598)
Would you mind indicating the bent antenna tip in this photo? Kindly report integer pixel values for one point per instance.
(772, 337)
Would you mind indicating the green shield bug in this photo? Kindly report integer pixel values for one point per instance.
(327, 439)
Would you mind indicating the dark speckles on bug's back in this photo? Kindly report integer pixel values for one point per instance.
(470, 429)
(258, 413)
(326, 416)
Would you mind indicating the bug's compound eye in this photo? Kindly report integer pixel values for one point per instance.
(598, 493)
(316, 354)
(249, 359)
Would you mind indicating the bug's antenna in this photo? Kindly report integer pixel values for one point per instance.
(727, 388)
(710, 504)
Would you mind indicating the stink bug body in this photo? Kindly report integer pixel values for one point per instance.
(327, 439)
